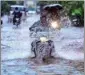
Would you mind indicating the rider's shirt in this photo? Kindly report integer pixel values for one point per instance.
(17, 14)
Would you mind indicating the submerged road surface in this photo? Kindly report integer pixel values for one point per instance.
(15, 50)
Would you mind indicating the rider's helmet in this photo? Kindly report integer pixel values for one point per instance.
(16, 8)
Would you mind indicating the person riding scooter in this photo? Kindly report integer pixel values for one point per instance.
(17, 14)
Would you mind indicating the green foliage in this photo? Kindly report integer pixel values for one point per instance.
(5, 7)
(77, 8)
(11, 2)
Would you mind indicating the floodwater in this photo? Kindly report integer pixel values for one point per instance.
(16, 51)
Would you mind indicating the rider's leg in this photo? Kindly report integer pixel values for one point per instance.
(13, 21)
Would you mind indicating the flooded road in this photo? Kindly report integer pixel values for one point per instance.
(16, 50)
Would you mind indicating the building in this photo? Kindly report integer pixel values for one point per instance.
(30, 3)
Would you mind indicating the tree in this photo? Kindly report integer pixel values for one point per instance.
(5, 7)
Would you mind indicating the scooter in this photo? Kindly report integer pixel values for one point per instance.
(77, 20)
(17, 21)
